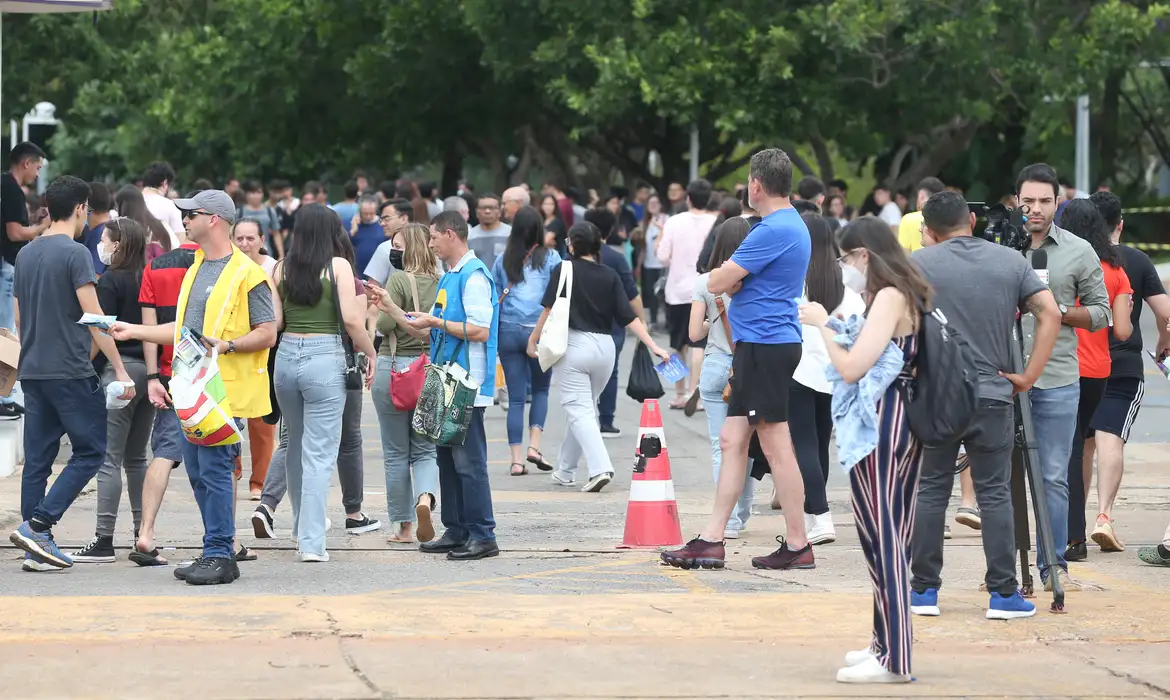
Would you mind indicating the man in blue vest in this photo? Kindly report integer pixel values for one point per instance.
(463, 325)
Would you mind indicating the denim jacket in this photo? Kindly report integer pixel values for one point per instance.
(855, 405)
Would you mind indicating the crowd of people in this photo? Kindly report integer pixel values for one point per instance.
(797, 318)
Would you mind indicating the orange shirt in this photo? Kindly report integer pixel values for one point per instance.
(1093, 348)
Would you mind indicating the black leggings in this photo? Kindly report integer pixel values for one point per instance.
(650, 277)
(810, 420)
(1091, 392)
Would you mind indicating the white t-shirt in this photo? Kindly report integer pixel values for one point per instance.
(891, 214)
(165, 211)
(268, 265)
(814, 358)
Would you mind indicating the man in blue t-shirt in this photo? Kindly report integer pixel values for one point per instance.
(766, 278)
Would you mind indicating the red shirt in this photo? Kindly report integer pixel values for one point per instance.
(1093, 348)
(161, 282)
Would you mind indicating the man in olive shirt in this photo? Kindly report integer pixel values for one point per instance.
(1072, 272)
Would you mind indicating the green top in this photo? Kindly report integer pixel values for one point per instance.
(321, 318)
(400, 293)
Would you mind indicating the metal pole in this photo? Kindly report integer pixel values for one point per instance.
(694, 152)
(1082, 158)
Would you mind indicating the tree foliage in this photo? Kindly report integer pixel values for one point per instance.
(584, 91)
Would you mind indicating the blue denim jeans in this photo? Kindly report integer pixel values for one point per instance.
(522, 374)
(407, 458)
(712, 379)
(607, 404)
(8, 315)
(56, 407)
(310, 386)
(1054, 413)
(464, 486)
(211, 471)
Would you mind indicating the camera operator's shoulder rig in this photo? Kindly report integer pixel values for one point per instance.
(1002, 225)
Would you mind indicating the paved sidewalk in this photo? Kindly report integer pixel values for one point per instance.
(563, 613)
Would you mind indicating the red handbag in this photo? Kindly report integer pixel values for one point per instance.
(406, 385)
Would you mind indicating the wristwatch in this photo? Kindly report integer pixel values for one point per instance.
(1063, 309)
(231, 347)
(153, 376)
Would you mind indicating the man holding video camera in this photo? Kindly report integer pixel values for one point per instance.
(979, 286)
(1072, 271)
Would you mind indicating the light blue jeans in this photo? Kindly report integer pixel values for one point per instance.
(408, 458)
(310, 387)
(8, 318)
(712, 379)
(1054, 413)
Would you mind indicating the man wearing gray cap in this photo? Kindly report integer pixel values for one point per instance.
(225, 297)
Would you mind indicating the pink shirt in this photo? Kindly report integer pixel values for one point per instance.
(682, 241)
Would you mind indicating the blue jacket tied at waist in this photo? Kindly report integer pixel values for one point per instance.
(855, 405)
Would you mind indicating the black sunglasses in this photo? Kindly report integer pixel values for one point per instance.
(195, 212)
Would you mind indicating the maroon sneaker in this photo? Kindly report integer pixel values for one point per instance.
(697, 553)
(784, 558)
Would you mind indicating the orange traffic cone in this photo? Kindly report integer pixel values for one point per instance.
(652, 513)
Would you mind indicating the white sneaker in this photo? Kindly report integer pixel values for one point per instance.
(313, 558)
(560, 479)
(852, 658)
(596, 483)
(820, 528)
(35, 565)
(869, 671)
(730, 534)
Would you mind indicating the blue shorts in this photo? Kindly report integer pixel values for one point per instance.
(166, 442)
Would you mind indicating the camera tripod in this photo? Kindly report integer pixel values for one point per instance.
(1026, 465)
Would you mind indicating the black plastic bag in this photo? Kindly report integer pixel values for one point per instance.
(644, 380)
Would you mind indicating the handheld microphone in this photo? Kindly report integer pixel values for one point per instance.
(1039, 259)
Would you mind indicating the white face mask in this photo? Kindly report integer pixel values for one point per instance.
(853, 278)
(105, 253)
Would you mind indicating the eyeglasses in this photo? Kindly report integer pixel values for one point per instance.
(488, 207)
(195, 212)
(844, 259)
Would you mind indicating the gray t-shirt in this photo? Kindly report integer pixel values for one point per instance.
(979, 286)
(488, 245)
(49, 271)
(260, 309)
(716, 336)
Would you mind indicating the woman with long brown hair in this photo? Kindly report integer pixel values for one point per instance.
(123, 250)
(885, 482)
(412, 472)
(130, 204)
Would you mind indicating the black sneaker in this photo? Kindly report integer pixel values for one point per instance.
(182, 571)
(213, 571)
(262, 523)
(608, 432)
(361, 525)
(11, 411)
(1076, 551)
(100, 550)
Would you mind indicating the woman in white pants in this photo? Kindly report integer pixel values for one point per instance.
(596, 301)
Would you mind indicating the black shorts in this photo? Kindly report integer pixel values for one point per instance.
(1119, 406)
(761, 377)
(678, 321)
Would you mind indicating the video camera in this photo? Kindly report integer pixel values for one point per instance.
(1001, 227)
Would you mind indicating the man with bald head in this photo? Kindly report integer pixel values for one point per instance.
(513, 199)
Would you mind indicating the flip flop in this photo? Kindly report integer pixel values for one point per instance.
(538, 460)
(679, 403)
(151, 558)
(522, 471)
(245, 554)
(692, 404)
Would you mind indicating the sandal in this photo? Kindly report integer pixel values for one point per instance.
(679, 403)
(151, 558)
(245, 554)
(522, 471)
(692, 404)
(398, 537)
(538, 460)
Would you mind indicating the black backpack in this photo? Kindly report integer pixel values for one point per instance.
(942, 398)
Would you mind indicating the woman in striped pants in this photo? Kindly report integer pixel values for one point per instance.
(884, 483)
